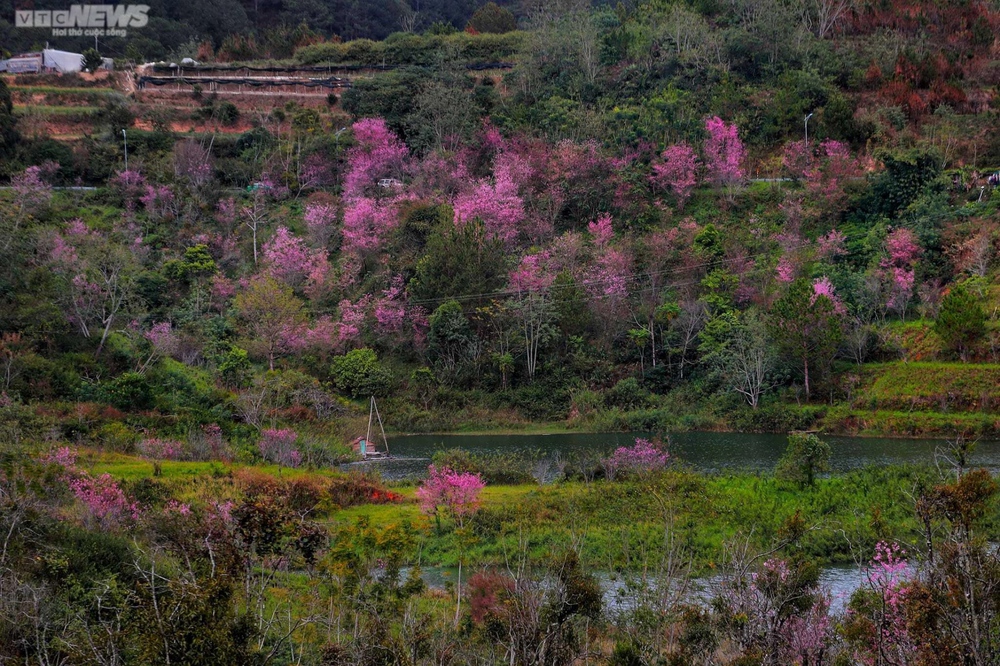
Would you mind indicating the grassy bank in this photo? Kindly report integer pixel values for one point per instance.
(612, 525)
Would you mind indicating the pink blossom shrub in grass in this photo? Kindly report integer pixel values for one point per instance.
(174, 507)
(104, 499)
(457, 493)
(642, 459)
(64, 456)
(278, 446)
(160, 449)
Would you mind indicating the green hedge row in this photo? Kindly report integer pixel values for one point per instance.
(407, 49)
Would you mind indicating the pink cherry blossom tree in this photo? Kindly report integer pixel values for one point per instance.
(457, 493)
(155, 448)
(98, 273)
(724, 153)
(823, 287)
(367, 225)
(289, 260)
(498, 204)
(32, 194)
(163, 342)
(377, 153)
(532, 305)
(897, 268)
(105, 501)
(279, 446)
(678, 171)
(129, 185)
(643, 458)
(320, 219)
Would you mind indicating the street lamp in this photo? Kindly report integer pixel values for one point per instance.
(807, 127)
(125, 139)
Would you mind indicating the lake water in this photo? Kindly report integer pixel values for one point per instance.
(705, 451)
(839, 581)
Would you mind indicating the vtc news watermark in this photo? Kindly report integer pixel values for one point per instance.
(85, 20)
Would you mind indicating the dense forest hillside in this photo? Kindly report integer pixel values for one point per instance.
(611, 220)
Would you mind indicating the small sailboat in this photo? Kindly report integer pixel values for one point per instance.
(364, 446)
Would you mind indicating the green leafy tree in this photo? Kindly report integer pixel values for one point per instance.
(268, 311)
(8, 123)
(805, 456)
(117, 115)
(806, 327)
(91, 60)
(459, 261)
(359, 374)
(491, 18)
(451, 343)
(961, 321)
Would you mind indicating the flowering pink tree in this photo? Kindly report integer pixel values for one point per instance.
(289, 259)
(724, 153)
(785, 618)
(160, 449)
(397, 321)
(98, 273)
(64, 457)
(532, 305)
(314, 171)
(163, 341)
(278, 446)
(32, 194)
(823, 287)
(883, 602)
(639, 460)
(104, 499)
(352, 320)
(367, 225)
(159, 202)
(457, 493)
(677, 171)
(831, 245)
(320, 219)
(898, 268)
(786, 270)
(130, 185)
(497, 204)
(797, 158)
(837, 167)
(377, 153)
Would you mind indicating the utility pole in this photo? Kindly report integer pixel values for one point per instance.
(125, 139)
(807, 127)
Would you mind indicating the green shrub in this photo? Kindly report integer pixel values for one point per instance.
(628, 394)
(18, 424)
(116, 436)
(129, 390)
(774, 417)
(236, 369)
(359, 374)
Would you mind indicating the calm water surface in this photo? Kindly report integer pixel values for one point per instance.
(705, 451)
